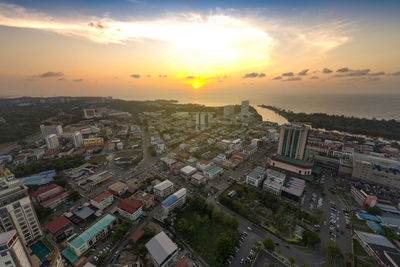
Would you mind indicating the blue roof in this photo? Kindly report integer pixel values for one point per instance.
(368, 217)
(69, 254)
(169, 200)
(40, 178)
(374, 226)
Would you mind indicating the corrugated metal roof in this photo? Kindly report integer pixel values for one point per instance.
(160, 247)
(375, 239)
(163, 185)
(174, 197)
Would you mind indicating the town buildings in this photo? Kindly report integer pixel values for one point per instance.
(50, 196)
(162, 249)
(59, 228)
(118, 188)
(77, 139)
(203, 121)
(256, 176)
(293, 141)
(175, 200)
(13, 252)
(102, 200)
(52, 141)
(163, 189)
(130, 209)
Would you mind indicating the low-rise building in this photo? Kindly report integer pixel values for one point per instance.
(146, 198)
(274, 181)
(59, 228)
(99, 178)
(256, 176)
(80, 244)
(162, 250)
(187, 171)
(202, 165)
(212, 172)
(363, 199)
(98, 141)
(293, 188)
(103, 200)
(294, 167)
(50, 196)
(119, 188)
(163, 189)
(175, 200)
(198, 178)
(130, 209)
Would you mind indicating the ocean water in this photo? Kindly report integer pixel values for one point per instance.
(362, 106)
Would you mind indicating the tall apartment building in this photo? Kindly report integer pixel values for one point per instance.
(77, 139)
(229, 110)
(51, 129)
(244, 109)
(203, 121)
(163, 189)
(17, 212)
(13, 253)
(293, 141)
(52, 141)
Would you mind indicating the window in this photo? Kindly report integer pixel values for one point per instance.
(8, 263)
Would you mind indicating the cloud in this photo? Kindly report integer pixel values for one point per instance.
(380, 73)
(314, 78)
(49, 74)
(190, 77)
(293, 79)
(261, 75)
(250, 75)
(78, 80)
(326, 71)
(343, 70)
(162, 76)
(277, 78)
(135, 76)
(352, 73)
(61, 79)
(395, 73)
(288, 74)
(303, 72)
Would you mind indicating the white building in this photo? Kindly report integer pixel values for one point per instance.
(130, 209)
(12, 250)
(202, 165)
(256, 176)
(187, 171)
(17, 212)
(229, 110)
(175, 200)
(274, 181)
(244, 110)
(102, 200)
(163, 189)
(77, 139)
(51, 129)
(52, 141)
(203, 121)
(162, 250)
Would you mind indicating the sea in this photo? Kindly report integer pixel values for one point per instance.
(362, 106)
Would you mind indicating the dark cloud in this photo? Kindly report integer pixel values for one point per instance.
(250, 75)
(261, 75)
(354, 73)
(97, 25)
(162, 76)
(326, 71)
(78, 80)
(380, 73)
(288, 74)
(395, 73)
(190, 77)
(277, 78)
(294, 79)
(314, 77)
(49, 74)
(343, 70)
(136, 76)
(303, 72)
(61, 79)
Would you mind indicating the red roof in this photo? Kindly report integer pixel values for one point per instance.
(178, 165)
(204, 162)
(57, 224)
(20, 157)
(101, 196)
(51, 200)
(131, 189)
(50, 151)
(136, 235)
(44, 189)
(181, 263)
(129, 205)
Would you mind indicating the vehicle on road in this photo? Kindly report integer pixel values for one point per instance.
(249, 228)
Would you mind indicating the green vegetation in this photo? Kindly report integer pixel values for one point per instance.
(358, 249)
(102, 258)
(292, 260)
(139, 247)
(310, 238)
(269, 244)
(42, 212)
(152, 151)
(390, 233)
(371, 127)
(22, 170)
(208, 230)
(374, 210)
(120, 230)
(98, 159)
(333, 252)
(74, 196)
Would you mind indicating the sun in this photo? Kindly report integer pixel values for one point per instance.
(197, 83)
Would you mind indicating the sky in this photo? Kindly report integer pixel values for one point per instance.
(218, 49)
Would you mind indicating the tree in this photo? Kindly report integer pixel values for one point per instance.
(310, 238)
(102, 258)
(333, 251)
(225, 244)
(42, 212)
(120, 230)
(305, 264)
(292, 260)
(74, 196)
(269, 244)
(374, 210)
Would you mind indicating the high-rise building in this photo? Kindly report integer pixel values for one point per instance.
(52, 141)
(77, 139)
(13, 252)
(51, 129)
(293, 141)
(203, 121)
(229, 110)
(244, 110)
(17, 212)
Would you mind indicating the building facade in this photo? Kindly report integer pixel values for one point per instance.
(52, 141)
(293, 141)
(77, 139)
(163, 189)
(203, 121)
(13, 252)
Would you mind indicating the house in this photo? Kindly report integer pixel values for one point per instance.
(198, 178)
(187, 171)
(103, 200)
(146, 198)
(130, 209)
(50, 196)
(176, 167)
(162, 250)
(212, 172)
(163, 189)
(59, 228)
(202, 165)
(256, 176)
(119, 188)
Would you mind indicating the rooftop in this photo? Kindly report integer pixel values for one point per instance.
(187, 170)
(129, 205)
(56, 224)
(296, 162)
(137, 235)
(5, 237)
(163, 185)
(174, 197)
(101, 196)
(214, 169)
(161, 247)
(84, 212)
(44, 189)
(116, 185)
